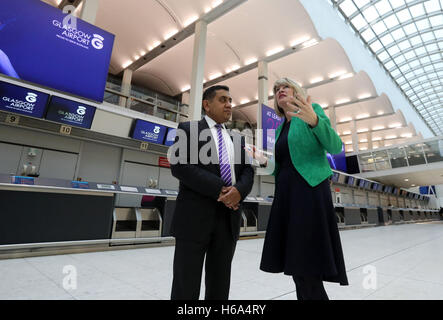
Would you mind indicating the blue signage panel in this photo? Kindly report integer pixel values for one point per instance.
(338, 161)
(41, 44)
(70, 112)
(148, 131)
(22, 100)
(270, 122)
(170, 137)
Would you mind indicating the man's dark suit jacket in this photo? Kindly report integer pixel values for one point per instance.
(200, 186)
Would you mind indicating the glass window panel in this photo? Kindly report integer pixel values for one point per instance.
(389, 65)
(432, 6)
(386, 40)
(381, 160)
(427, 36)
(432, 47)
(391, 21)
(383, 56)
(438, 33)
(410, 28)
(368, 35)
(379, 27)
(414, 64)
(417, 10)
(399, 59)
(409, 55)
(398, 158)
(370, 14)
(425, 60)
(395, 73)
(397, 3)
(383, 7)
(348, 7)
(436, 21)
(404, 45)
(359, 22)
(404, 15)
(420, 51)
(361, 3)
(422, 24)
(393, 50)
(376, 46)
(435, 57)
(429, 68)
(415, 40)
(398, 34)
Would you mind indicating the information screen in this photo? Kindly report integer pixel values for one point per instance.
(22, 100)
(70, 112)
(41, 44)
(148, 131)
(170, 137)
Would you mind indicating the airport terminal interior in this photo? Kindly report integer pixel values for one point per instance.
(87, 196)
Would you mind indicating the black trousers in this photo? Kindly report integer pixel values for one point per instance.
(188, 263)
(310, 288)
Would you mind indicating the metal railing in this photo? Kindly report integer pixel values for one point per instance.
(147, 104)
(405, 155)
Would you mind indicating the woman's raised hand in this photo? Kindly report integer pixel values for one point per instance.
(302, 108)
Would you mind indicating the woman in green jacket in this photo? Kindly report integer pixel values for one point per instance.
(302, 238)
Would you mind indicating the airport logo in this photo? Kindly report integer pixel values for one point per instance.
(81, 110)
(97, 42)
(70, 33)
(157, 129)
(31, 97)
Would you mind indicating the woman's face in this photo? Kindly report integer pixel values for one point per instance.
(284, 94)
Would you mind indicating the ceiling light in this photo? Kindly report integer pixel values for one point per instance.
(136, 57)
(412, 185)
(376, 139)
(362, 130)
(300, 41)
(190, 20)
(186, 88)
(244, 101)
(363, 148)
(342, 101)
(337, 74)
(364, 96)
(170, 34)
(216, 3)
(395, 125)
(250, 61)
(362, 116)
(345, 119)
(215, 75)
(324, 105)
(348, 142)
(315, 80)
(310, 43)
(378, 128)
(274, 51)
(406, 180)
(380, 113)
(391, 137)
(363, 140)
(346, 76)
(388, 144)
(346, 132)
(406, 135)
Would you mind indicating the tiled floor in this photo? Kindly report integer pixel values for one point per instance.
(392, 262)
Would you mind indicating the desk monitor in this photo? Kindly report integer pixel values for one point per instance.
(70, 112)
(170, 136)
(22, 100)
(148, 131)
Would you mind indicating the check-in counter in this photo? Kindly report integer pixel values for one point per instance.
(352, 215)
(249, 217)
(340, 215)
(409, 215)
(60, 212)
(124, 223)
(395, 215)
(264, 211)
(383, 217)
(372, 216)
(416, 215)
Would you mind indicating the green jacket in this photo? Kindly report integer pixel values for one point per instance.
(308, 146)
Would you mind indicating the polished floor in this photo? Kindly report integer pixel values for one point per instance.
(389, 263)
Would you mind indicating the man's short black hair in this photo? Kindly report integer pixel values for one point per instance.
(210, 93)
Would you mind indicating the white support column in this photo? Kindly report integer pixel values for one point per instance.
(262, 99)
(198, 65)
(126, 87)
(370, 146)
(354, 136)
(89, 10)
(332, 117)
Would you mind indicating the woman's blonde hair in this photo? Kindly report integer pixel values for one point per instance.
(286, 82)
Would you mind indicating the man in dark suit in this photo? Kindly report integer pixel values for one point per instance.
(215, 177)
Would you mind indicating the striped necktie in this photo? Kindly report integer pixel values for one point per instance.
(225, 167)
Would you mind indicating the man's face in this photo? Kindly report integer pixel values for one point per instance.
(219, 108)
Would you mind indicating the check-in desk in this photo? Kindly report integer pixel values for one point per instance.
(409, 214)
(383, 217)
(53, 211)
(395, 215)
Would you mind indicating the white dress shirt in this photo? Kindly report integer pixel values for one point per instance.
(228, 144)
